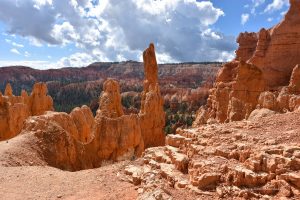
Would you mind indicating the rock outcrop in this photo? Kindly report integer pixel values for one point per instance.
(16, 109)
(263, 75)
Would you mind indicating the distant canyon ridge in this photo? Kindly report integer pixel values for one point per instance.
(184, 86)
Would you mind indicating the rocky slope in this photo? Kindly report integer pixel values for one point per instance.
(263, 75)
(256, 159)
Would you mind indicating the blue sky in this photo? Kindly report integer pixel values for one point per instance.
(62, 33)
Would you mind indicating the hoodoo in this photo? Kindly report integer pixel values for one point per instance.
(152, 114)
(16, 109)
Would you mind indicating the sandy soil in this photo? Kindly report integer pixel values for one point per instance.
(33, 182)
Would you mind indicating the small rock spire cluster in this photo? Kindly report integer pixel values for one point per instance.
(16, 109)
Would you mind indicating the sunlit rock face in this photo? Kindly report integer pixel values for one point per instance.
(152, 114)
(263, 74)
(14, 110)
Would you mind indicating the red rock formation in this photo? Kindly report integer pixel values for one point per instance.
(8, 90)
(247, 45)
(16, 109)
(39, 100)
(84, 122)
(276, 52)
(235, 94)
(110, 101)
(255, 78)
(119, 135)
(294, 85)
(152, 114)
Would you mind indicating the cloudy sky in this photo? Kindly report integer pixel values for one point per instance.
(62, 33)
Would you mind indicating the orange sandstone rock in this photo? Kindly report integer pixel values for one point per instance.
(277, 52)
(39, 100)
(263, 75)
(110, 100)
(152, 114)
(16, 109)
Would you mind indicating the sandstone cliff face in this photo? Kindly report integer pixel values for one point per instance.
(16, 109)
(274, 51)
(263, 75)
(277, 48)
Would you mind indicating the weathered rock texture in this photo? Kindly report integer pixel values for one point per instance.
(152, 114)
(77, 140)
(238, 160)
(119, 135)
(110, 101)
(263, 75)
(16, 109)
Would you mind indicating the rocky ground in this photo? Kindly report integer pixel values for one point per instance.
(257, 159)
(246, 159)
(32, 182)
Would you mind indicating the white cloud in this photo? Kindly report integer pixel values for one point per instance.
(276, 5)
(211, 34)
(64, 33)
(270, 19)
(14, 43)
(244, 18)
(75, 60)
(35, 42)
(15, 51)
(17, 45)
(37, 64)
(283, 12)
(226, 56)
(110, 30)
(255, 5)
(26, 54)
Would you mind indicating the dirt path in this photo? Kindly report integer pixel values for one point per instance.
(33, 182)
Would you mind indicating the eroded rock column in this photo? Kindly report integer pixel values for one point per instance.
(152, 114)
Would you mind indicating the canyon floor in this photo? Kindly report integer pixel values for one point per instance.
(276, 135)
